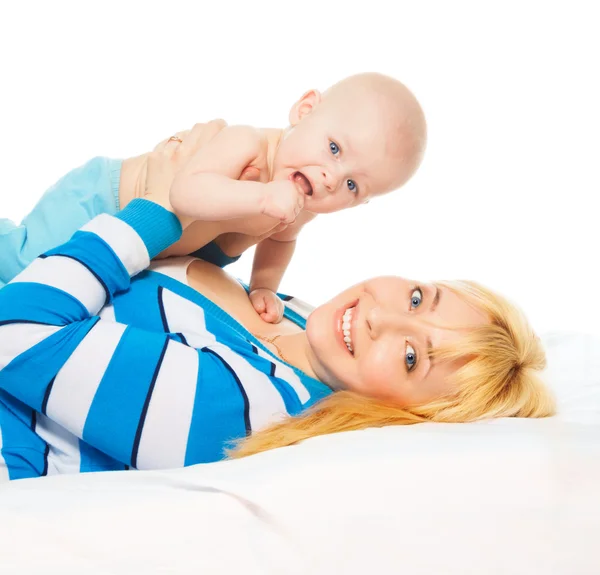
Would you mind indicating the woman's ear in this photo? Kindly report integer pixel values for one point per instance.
(304, 106)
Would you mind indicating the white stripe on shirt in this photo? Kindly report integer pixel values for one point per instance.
(123, 240)
(16, 338)
(164, 438)
(265, 403)
(77, 381)
(286, 373)
(174, 267)
(3, 469)
(63, 446)
(299, 306)
(107, 313)
(68, 275)
(180, 313)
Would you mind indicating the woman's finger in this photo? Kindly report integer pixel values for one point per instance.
(200, 135)
(175, 138)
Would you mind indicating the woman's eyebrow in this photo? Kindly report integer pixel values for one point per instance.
(429, 353)
(434, 303)
(436, 299)
(429, 357)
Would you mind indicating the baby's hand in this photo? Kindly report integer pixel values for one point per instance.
(267, 304)
(282, 200)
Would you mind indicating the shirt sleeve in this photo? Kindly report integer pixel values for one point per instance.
(92, 376)
(78, 197)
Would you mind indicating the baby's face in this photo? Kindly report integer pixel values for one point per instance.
(343, 155)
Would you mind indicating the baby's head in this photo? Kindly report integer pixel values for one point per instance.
(362, 138)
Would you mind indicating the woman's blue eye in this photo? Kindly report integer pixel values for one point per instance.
(410, 357)
(352, 186)
(416, 298)
(335, 150)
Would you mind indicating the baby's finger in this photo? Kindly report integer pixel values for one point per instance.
(259, 304)
(270, 317)
(279, 308)
(274, 309)
(270, 314)
(271, 305)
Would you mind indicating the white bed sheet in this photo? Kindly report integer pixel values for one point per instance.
(497, 497)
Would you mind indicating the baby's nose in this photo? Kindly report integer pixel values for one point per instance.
(328, 180)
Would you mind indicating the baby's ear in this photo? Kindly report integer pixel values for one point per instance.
(304, 106)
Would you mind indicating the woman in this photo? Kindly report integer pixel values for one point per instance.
(188, 367)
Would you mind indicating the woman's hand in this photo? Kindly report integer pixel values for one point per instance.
(169, 156)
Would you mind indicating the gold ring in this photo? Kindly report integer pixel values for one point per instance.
(175, 139)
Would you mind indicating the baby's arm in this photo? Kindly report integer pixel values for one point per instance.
(271, 259)
(208, 189)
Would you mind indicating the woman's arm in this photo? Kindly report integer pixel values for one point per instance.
(95, 377)
(53, 345)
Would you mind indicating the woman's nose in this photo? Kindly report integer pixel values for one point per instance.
(380, 321)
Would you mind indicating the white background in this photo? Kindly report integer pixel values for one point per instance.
(508, 190)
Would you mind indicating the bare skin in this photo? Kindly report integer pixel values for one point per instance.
(390, 334)
(373, 338)
(362, 138)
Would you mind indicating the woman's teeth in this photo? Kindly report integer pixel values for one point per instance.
(346, 323)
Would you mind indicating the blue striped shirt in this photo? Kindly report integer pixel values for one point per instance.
(101, 370)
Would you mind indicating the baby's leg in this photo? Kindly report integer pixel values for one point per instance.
(233, 237)
(196, 236)
(234, 244)
(74, 200)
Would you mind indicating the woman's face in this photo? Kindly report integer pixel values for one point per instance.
(374, 338)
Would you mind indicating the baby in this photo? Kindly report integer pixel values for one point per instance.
(362, 138)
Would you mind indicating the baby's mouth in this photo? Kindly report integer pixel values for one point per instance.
(301, 180)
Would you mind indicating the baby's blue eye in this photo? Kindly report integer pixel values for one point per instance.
(416, 298)
(410, 357)
(352, 185)
(335, 150)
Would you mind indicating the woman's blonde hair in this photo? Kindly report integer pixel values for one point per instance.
(499, 377)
